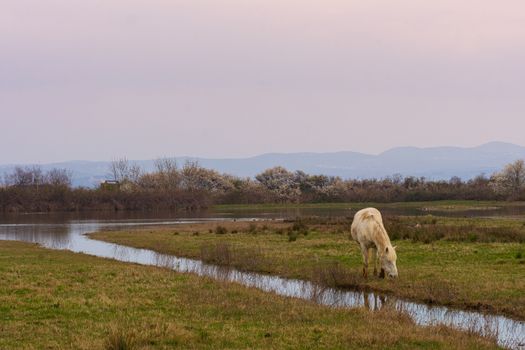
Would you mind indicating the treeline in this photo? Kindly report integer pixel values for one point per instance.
(192, 187)
(29, 189)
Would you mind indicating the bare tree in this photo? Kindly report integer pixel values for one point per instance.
(119, 168)
(58, 177)
(168, 173)
(25, 176)
(165, 165)
(135, 172)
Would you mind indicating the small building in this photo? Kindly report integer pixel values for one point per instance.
(110, 185)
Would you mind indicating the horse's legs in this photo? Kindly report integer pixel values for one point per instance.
(364, 251)
(375, 257)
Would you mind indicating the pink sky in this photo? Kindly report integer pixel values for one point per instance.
(215, 78)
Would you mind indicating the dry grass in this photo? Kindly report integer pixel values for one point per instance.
(334, 274)
(224, 254)
(61, 300)
(119, 339)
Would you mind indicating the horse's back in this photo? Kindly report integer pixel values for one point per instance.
(364, 224)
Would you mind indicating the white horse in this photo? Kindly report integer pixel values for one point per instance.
(368, 231)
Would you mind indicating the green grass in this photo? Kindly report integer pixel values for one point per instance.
(450, 271)
(430, 228)
(61, 300)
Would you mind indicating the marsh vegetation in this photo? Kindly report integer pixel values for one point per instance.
(467, 263)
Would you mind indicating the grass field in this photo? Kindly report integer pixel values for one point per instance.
(467, 263)
(61, 300)
(431, 205)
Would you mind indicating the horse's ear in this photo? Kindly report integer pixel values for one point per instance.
(395, 247)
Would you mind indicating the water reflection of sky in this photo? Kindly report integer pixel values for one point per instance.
(69, 234)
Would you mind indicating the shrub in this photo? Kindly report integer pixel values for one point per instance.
(119, 340)
(438, 292)
(220, 230)
(333, 274)
(251, 259)
(252, 227)
(220, 254)
(472, 237)
(299, 226)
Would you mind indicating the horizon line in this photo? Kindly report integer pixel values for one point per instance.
(263, 154)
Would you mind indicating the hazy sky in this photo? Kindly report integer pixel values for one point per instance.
(228, 78)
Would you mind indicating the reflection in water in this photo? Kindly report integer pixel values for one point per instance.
(71, 236)
(37, 234)
(373, 301)
(517, 211)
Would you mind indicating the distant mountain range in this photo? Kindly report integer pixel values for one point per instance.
(433, 163)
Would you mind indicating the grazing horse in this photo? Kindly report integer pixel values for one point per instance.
(368, 231)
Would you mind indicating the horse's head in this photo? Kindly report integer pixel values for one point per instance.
(388, 262)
